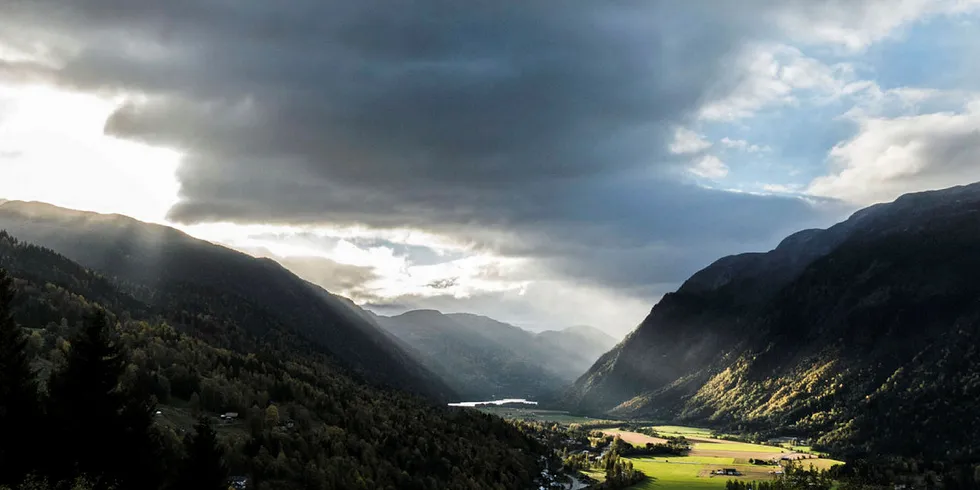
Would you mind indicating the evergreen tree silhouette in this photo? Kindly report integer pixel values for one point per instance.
(106, 431)
(20, 407)
(203, 467)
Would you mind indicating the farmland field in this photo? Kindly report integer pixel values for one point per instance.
(634, 438)
(676, 430)
(707, 454)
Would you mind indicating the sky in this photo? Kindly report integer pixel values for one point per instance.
(546, 163)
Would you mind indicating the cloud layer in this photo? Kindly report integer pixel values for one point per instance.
(574, 135)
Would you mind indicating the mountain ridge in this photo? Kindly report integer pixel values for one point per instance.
(816, 336)
(484, 358)
(161, 264)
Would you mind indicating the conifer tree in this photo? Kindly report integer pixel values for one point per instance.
(19, 405)
(106, 432)
(203, 467)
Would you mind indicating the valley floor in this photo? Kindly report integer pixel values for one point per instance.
(707, 455)
(692, 471)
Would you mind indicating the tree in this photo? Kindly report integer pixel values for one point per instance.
(271, 416)
(105, 431)
(203, 468)
(19, 404)
(195, 403)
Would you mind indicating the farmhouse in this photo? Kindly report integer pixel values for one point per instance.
(728, 472)
(229, 416)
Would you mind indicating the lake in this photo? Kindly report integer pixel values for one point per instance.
(493, 402)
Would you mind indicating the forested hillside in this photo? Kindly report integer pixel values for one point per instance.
(303, 422)
(863, 336)
(167, 269)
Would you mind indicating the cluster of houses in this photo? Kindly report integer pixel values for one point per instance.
(727, 472)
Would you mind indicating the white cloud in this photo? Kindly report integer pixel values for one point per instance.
(773, 75)
(393, 273)
(855, 25)
(743, 145)
(892, 156)
(709, 167)
(688, 141)
(781, 188)
(901, 101)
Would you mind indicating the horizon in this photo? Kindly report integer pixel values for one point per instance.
(547, 166)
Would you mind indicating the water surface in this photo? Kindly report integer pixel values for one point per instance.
(493, 402)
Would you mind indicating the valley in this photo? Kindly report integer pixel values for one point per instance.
(857, 343)
(703, 466)
(491, 245)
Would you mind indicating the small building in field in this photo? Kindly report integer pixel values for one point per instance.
(229, 416)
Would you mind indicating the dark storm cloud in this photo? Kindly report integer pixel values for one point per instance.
(532, 128)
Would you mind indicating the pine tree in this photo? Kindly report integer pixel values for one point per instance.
(203, 468)
(19, 405)
(105, 431)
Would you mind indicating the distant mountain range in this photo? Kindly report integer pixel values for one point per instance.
(482, 358)
(164, 267)
(865, 336)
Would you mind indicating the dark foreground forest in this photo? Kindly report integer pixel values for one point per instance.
(100, 390)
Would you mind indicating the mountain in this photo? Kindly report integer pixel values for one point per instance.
(170, 270)
(579, 346)
(303, 421)
(864, 336)
(569, 352)
(476, 363)
(484, 359)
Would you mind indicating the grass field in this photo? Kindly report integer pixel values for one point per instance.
(805, 449)
(676, 430)
(691, 472)
(694, 470)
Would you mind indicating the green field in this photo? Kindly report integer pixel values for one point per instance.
(694, 471)
(678, 473)
(805, 449)
(676, 430)
(739, 447)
